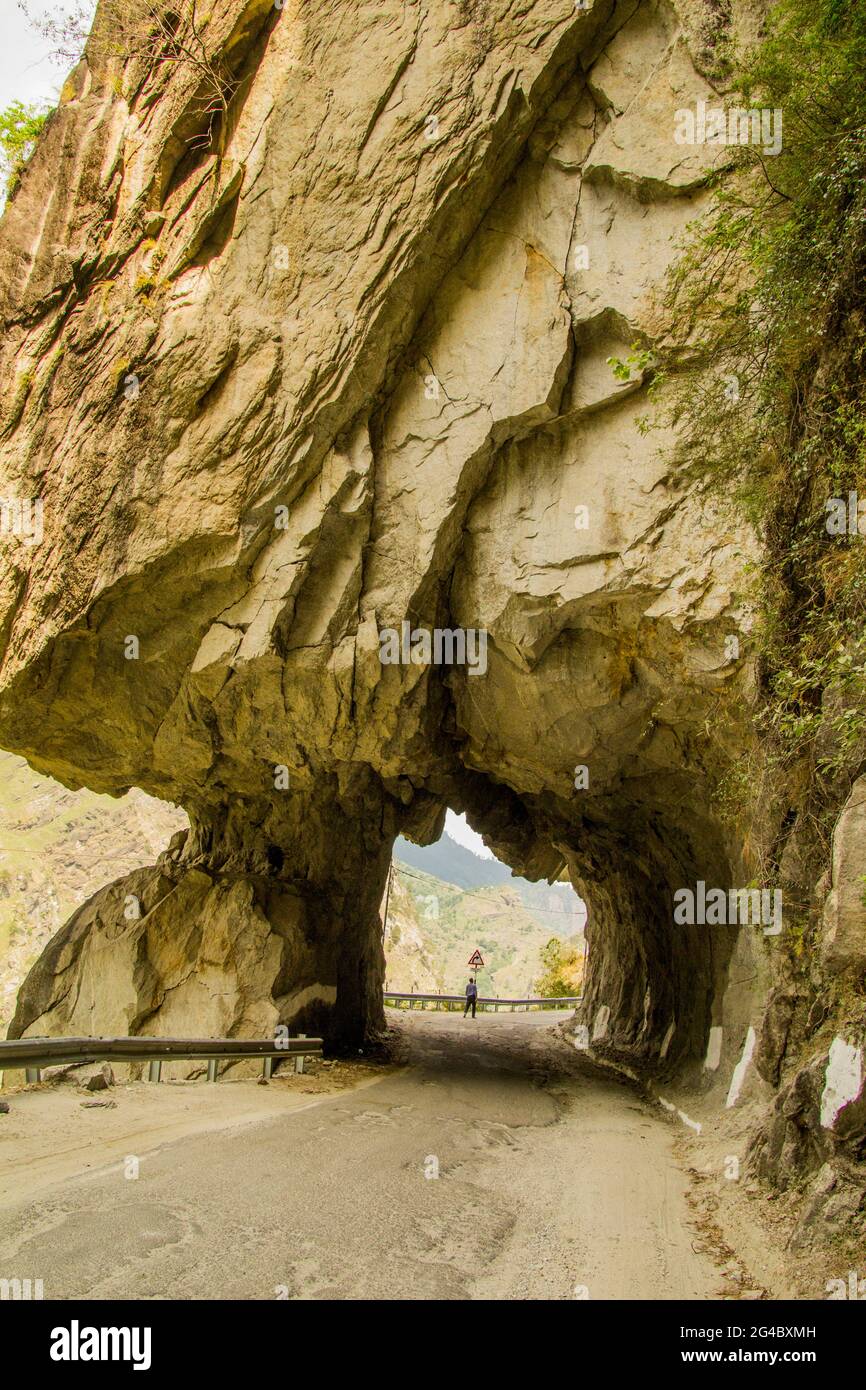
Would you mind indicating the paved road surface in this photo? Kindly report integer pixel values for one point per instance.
(551, 1178)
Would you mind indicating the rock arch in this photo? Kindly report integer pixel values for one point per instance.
(382, 397)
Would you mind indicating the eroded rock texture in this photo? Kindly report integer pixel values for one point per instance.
(58, 847)
(338, 364)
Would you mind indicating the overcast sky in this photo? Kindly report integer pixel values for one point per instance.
(26, 70)
(459, 830)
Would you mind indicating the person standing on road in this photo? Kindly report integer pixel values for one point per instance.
(471, 998)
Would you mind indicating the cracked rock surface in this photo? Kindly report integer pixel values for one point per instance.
(342, 367)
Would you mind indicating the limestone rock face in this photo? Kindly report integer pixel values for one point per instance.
(335, 364)
(844, 938)
(222, 958)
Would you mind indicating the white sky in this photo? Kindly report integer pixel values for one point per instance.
(458, 828)
(26, 71)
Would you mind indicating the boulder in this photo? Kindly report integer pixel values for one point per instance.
(843, 944)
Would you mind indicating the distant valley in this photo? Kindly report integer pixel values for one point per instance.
(445, 901)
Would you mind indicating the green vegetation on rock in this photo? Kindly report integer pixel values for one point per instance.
(20, 126)
(768, 310)
(563, 969)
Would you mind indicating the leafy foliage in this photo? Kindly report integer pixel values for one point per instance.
(562, 972)
(20, 124)
(766, 367)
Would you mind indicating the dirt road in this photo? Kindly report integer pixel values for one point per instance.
(494, 1165)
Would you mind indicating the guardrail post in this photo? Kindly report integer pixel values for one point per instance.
(299, 1060)
(267, 1068)
(32, 1057)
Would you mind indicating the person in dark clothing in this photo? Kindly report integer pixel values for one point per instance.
(471, 998)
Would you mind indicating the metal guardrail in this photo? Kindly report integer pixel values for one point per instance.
(563, 1001)
(35, 1053)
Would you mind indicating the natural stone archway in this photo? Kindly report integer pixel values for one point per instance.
(348, 373)
(229, 933)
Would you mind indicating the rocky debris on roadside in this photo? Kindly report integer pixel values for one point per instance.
(102, 1079)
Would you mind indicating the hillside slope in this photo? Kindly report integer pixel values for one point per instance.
(554, 904)
(57, 847)
(434, 926)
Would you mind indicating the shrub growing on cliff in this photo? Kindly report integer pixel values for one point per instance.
(20, 125)
(65, 26)
(159, 36)
(769, 307)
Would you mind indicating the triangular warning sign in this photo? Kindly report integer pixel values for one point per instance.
(476, 958)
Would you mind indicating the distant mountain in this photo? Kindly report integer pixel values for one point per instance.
(556, 906)
(433, 926)
(452, 862)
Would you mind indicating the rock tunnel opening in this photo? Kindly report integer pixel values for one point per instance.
(652, 985)
(444, 448)
(283, 898)
(449, 900)
(340, 486)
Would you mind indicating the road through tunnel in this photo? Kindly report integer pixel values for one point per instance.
(378, 528)
(652, 985)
